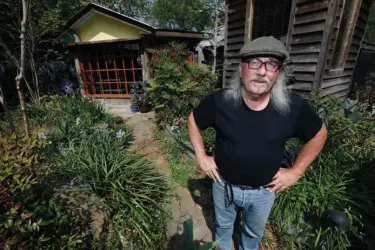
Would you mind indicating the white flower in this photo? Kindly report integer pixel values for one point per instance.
(42, 136)
(62, 148)
(78, 121)
(175, 129)
(120, 134)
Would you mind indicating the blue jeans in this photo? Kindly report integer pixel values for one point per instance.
(256, 205)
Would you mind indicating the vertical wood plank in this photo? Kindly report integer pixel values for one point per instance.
(126, 82)
(100, 74)
(291, 24)
(108, 78)
(114, 64)
(92, 75)
(85, 87)
(323, 53)
(249, 20)
(225, 42)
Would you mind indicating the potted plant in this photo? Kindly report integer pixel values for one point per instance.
(144, 101)
(134, 107)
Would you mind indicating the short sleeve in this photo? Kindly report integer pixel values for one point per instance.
(205, 112)
(308, 122)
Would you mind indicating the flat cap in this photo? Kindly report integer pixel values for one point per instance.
(265, 46)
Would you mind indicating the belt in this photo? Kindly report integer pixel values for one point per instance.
(244, 187)
(229, 195)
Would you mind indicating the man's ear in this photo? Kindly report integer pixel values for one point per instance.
(240, 68)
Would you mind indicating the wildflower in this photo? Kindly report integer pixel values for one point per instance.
(78, 121)
(42, 136)
(66, 87)
(154, 58)
(62, 148)
(120, 134)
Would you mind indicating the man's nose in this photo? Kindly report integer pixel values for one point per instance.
(262, 70)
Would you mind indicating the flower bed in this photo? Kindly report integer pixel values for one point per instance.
(75, 185)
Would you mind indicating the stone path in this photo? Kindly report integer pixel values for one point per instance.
(182, 206)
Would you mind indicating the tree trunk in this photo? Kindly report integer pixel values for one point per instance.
(21, 74)
(7, 112)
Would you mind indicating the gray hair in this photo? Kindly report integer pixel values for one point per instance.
(280, 97)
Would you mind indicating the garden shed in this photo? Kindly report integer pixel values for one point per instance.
(323, 37)
(110, 49)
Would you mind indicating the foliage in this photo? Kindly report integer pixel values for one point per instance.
(335, 181)
(177, 86)
(132, 190)
(183, 168)
(80, 141)
(189, 240)
(192, 15)
(30, 216)
(139, 9)
(140, 94)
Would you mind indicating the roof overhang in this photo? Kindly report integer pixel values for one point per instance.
(179, 33)
(87, 12)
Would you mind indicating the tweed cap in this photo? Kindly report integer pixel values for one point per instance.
(265, 46)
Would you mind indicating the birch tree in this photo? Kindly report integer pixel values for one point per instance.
(21, 74)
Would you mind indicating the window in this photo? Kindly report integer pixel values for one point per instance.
(349, 15)
(271, 18)
(110, 70)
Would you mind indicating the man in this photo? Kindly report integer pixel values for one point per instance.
(253, 117)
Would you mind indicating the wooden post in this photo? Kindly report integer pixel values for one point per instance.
(225, 44)
(78, 65)
(249, 20)
(215, 35)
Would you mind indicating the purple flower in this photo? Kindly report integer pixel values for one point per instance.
(66, 87)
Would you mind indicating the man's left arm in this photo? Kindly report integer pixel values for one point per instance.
(287, 177)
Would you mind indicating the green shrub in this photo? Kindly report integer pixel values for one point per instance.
(337, 180)
(177, 86)
(30, 216)
(133, 192)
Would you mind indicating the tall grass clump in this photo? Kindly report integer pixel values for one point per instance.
(339, 179)
(133, 192)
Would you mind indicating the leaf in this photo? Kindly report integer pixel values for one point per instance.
(188, 235)
(44, 239)
(210, 245)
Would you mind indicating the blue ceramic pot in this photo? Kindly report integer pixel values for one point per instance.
(134, 109)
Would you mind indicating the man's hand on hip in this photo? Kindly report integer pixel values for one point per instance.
(208, 167)
(283, 179)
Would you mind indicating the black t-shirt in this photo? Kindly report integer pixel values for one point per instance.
(250, 144)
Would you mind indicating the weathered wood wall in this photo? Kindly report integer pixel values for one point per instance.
(235, 33)
(337, 84)
(305, 39)
(249, 19)
(311, 37)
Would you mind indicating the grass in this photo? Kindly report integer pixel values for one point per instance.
(182, 166)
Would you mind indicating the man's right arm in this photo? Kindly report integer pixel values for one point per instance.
(206, 163)
(196, 138)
